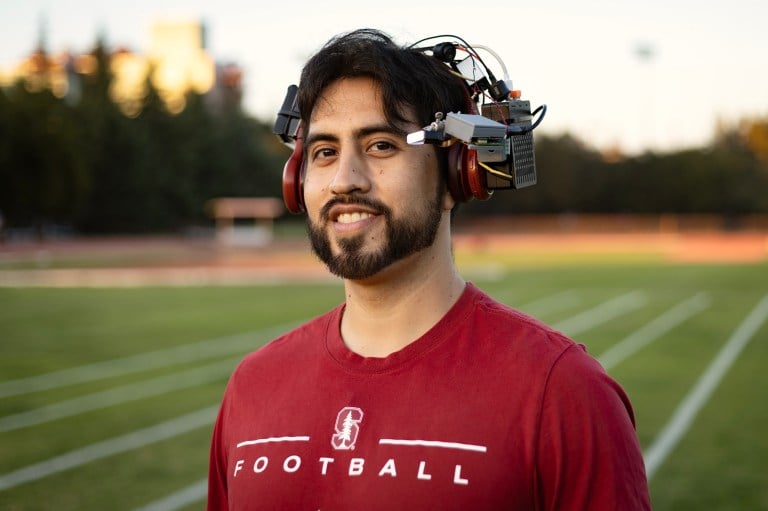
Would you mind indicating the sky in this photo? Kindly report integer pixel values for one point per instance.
(635, 75)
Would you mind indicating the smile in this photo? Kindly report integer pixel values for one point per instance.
(350, 218)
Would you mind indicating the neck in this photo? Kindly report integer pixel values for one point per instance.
(387, 312)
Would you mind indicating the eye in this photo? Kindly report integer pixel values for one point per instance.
(382, 147)
(322, 153)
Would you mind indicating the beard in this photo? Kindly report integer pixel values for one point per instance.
(415, 231)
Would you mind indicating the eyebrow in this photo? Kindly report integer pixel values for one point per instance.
(362, 132)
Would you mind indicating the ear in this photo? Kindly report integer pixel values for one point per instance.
(448, 201)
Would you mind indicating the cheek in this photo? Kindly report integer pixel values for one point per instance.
(424, 175)
(313, 192)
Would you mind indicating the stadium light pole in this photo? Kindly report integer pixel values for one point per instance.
(645, 53)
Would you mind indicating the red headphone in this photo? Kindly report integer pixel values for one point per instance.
(465, 178)
(293, 177)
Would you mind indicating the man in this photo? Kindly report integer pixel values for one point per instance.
(419, 391)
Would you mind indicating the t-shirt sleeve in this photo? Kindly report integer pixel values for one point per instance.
(588, 454)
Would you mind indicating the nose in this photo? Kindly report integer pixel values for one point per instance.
(351, 175)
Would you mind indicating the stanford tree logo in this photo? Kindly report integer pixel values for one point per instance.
(347, 427)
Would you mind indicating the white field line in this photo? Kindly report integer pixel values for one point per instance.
(205, 417)
(112, 446)
(182, 498)
(653, 330)
(551, 304)
(218, 347)
(123, 394)
(686, 412)
(602, 313)
(548, 303)
(210, 348)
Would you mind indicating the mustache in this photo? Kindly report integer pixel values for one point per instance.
(354, 198)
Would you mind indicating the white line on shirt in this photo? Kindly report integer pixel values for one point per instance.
(434, 443)
(274, 439)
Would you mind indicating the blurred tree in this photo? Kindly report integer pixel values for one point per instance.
(743, 155)
(570, 177)
(247, 158)
(110, 146)
(82, 161)
(44, 178)
(757, 140)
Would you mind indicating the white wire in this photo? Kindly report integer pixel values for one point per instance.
(498, 59)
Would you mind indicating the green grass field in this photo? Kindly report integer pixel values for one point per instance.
(107, 395)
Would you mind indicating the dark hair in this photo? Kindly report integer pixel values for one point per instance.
(409, 79)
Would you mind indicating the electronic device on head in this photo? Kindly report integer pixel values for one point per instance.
(490, 147)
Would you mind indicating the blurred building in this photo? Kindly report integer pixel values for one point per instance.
(39, 71)
(177, 63)
(227, 90)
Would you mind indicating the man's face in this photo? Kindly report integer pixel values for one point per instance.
(372, 199)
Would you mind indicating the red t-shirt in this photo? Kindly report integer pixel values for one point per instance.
(489, 410)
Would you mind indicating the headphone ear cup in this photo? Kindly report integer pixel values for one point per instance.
(455, 183)
(473, 176)
(293, 185)
(466, 180)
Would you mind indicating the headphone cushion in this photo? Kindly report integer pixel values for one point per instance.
(293, 193)
(455, 183)
(466, 180)
(475, 179)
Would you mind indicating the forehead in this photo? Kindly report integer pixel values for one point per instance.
(346, 96)
(349, 101)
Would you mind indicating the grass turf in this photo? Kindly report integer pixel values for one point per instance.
(720, 463)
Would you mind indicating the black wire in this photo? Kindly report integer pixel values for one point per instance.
(439, 37)
(517, 130)
(474, 54)
(543, 110)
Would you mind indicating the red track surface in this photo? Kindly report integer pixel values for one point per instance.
(175, 261)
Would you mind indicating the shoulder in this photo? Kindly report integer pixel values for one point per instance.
(291, 347)
(565, 360)
(517, 331)
(561, 370)
(577, 380)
